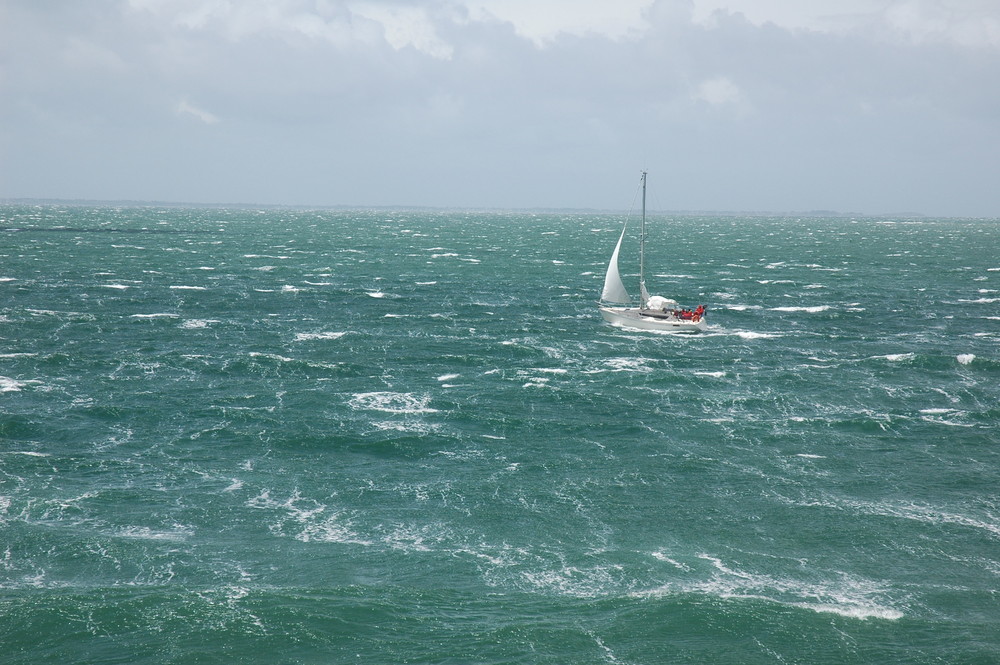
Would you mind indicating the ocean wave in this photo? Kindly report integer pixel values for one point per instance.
(843, 594)
(896, 357)
(406, 427)
(305, 337)
(624, 365)
(749, 334)
(392, 402)
(915, 511)
(937, 416)
(334, 528)
(812, 309)
(193, 324)
(177, 534)
(575, 581)
(8, 385)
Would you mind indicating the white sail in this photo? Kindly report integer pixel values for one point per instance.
(614, 290)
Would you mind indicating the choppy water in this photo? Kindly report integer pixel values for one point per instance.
(330, 437)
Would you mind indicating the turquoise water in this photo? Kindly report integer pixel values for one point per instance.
(273, 436)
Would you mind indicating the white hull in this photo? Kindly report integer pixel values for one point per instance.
(630, 317)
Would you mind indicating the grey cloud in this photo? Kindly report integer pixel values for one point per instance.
(305, 102)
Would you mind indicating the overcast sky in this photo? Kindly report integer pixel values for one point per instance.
(870, 106)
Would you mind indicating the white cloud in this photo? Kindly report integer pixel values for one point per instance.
(544, 21)
(969, 23)
(718, 91)
(338, 22)
(186, 108)
(405, 26)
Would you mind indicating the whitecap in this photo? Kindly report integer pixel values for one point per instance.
(812, 310)
(937, 416)
(843, 594)
(626, 365)
(748, 334)
(392, 402)
(409, 539)
(573, 581)
(714, 375)
(661, 556)
(10, 385)
(191, 324)
(334, 529)
(448, 377)
(965, 358)
(898, 357)
(159, 315)
(181, 287)
(918, 512)
(408, 426)
(375, 294)
(303, 337)
(178, 533)
(271, 356)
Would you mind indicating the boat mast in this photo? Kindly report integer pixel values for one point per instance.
(642, 248)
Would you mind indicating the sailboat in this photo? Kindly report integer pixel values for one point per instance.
(653, 312)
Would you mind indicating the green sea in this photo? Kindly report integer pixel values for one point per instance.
(326, 436)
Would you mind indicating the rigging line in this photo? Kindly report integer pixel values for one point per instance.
(635, 197)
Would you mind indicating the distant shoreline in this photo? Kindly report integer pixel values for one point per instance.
(129, 203)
